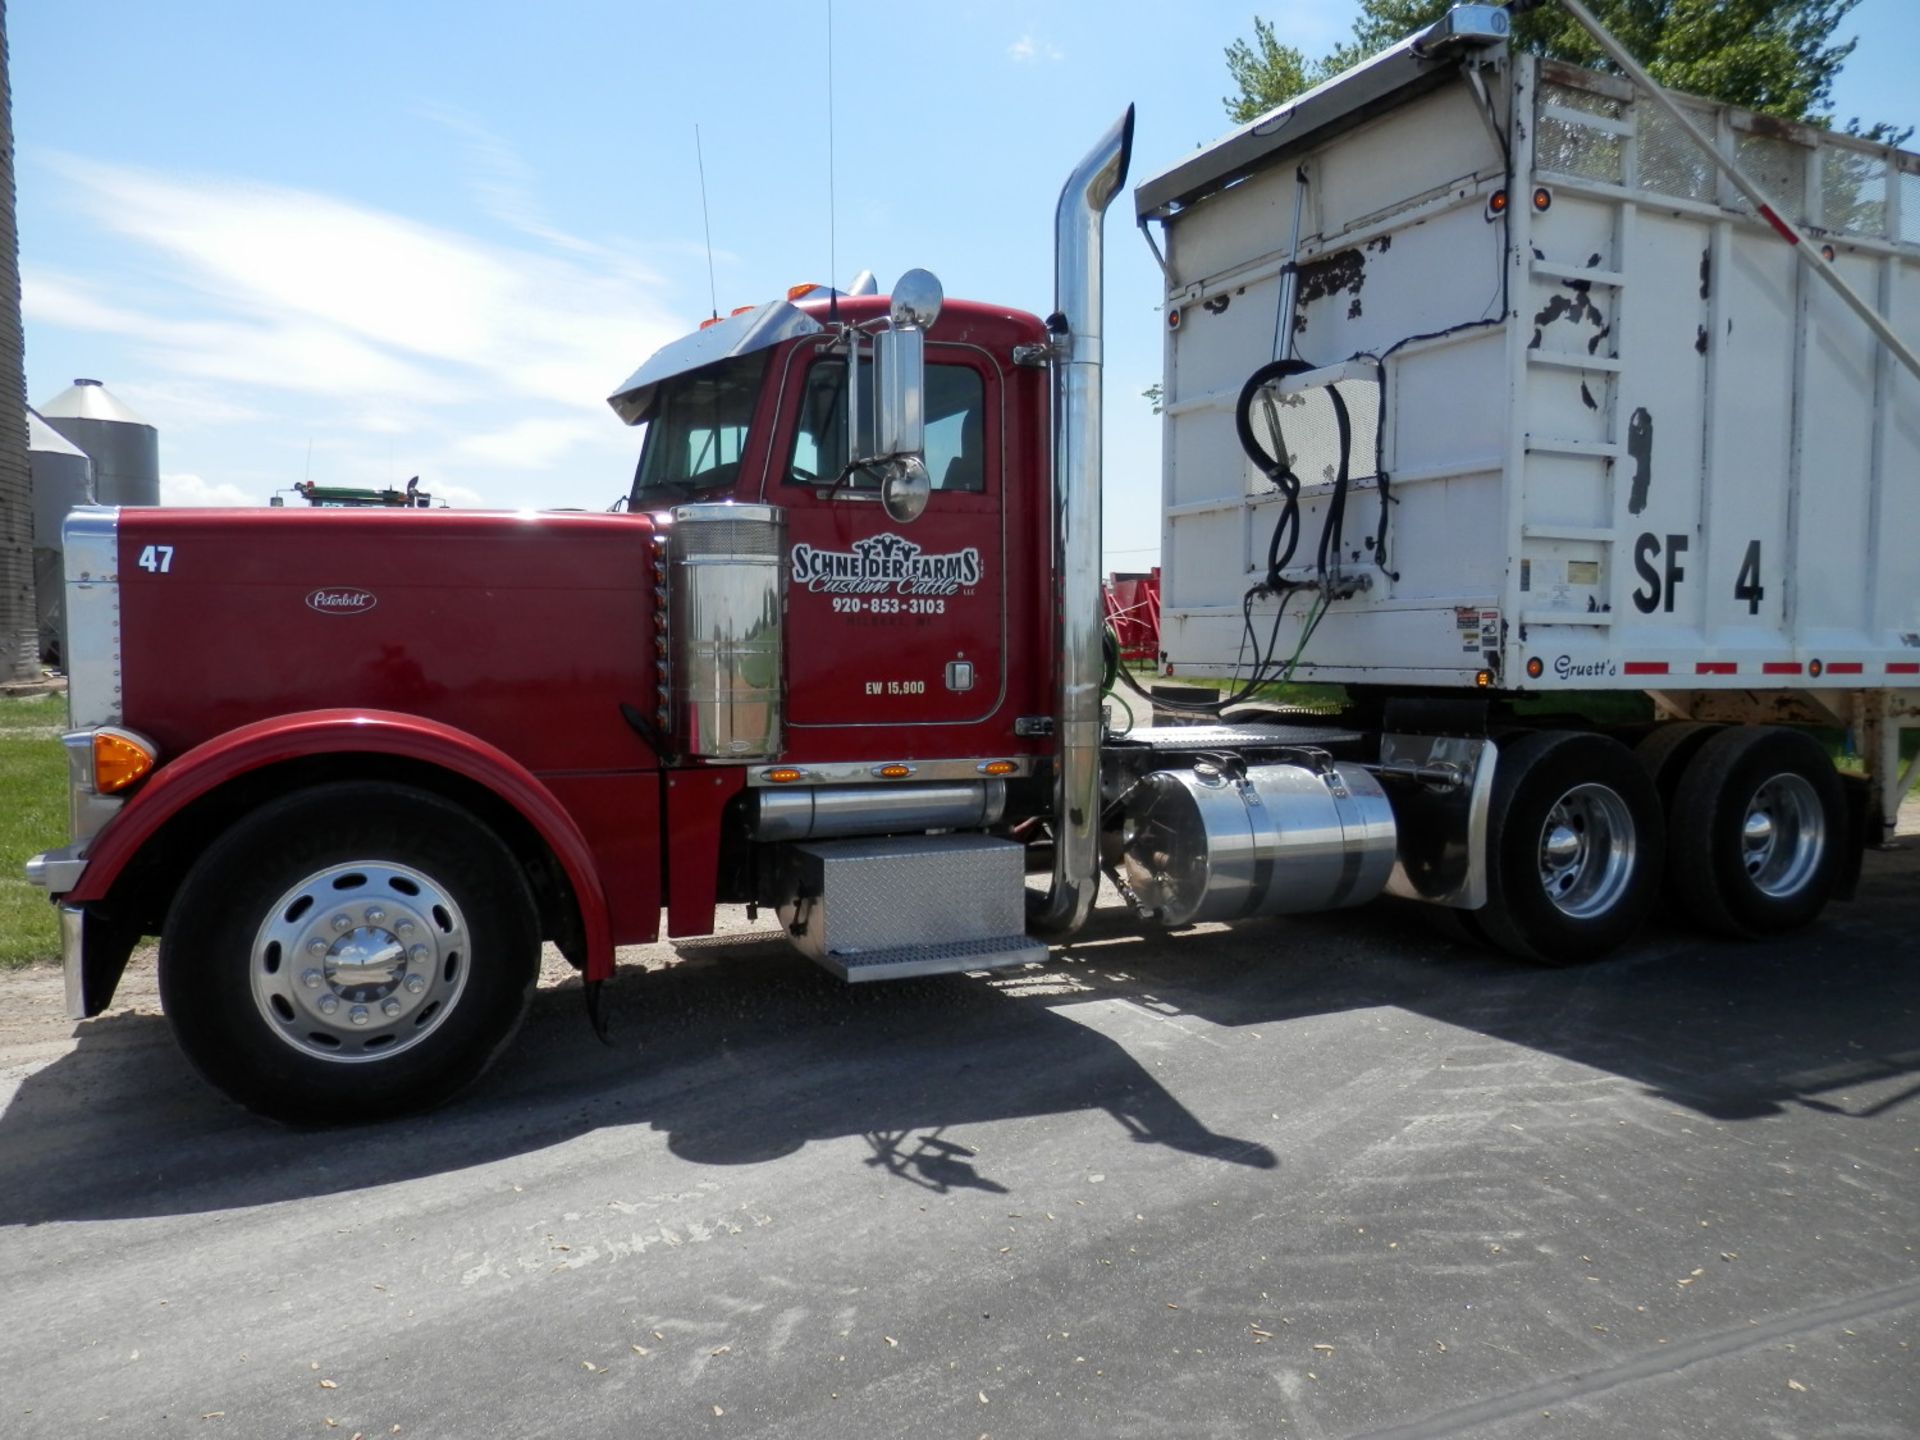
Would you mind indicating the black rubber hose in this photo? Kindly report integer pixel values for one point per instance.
(1275, 468)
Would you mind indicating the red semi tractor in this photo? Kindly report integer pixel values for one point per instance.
(842, 653)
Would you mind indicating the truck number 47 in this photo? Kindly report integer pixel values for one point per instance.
(157, 559)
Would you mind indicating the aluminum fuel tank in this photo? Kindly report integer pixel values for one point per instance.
(1214, 843)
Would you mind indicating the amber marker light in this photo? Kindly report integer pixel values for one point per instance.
(783, 774)
(997, 767)
(1496, 204)
(801, 291)
(740, 310)
(893, 772)
(119, 760)
(1543, 199)
(1536, 667)
(1816, 668)
(1483, 678)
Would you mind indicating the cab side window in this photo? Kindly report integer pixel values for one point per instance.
(956, 427)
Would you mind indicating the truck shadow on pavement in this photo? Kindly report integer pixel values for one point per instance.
(741, 1052)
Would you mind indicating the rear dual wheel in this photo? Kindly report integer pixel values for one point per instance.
(348, 953)
(1758, 821)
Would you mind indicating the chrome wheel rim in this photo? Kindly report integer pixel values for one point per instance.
(1783, 835)
(1586, 852)
(359, 962)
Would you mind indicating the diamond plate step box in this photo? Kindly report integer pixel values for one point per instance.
(886, 909)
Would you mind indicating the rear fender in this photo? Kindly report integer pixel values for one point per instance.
(311, 734)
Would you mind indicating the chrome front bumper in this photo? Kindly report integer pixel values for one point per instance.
(57, 872)
(73, 933)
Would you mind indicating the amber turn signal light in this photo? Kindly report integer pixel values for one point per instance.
(119, 760)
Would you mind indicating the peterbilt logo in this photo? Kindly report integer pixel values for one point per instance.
(885, 564)
(342, 600)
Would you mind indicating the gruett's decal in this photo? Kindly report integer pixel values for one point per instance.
(885, 565)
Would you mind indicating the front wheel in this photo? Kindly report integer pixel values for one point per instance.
(1575, 846)
(348, 953)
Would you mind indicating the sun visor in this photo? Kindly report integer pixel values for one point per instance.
(742, 334)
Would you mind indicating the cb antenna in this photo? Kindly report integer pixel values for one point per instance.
(700, 159)
(833, 250)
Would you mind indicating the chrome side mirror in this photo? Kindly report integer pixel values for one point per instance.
(899, 399)
(905, 487)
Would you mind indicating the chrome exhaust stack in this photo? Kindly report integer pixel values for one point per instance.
(1076, 326)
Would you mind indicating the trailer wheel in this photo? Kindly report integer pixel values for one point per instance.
(348, 953)
(1666, 752)
(1758, 821)
(1574, 844)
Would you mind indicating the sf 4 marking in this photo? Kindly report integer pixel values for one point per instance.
(156, 559)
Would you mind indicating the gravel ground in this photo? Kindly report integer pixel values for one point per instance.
(1327, 1177)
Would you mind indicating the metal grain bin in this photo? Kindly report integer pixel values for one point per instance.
(125, 449)
(62, 479)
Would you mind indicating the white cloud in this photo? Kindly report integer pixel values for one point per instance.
(248, 318)
(1031, 50)
(183, 489)
(530, 442)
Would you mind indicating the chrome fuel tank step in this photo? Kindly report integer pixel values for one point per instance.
(886, 909)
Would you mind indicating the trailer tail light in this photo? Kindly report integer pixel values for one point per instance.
(997, 767)
(120, 759)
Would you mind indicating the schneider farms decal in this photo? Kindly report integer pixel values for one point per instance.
(885, 565)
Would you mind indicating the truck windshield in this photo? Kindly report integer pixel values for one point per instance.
(698, 429)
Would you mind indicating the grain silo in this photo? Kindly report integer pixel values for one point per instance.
(62, 479)
(125, 449)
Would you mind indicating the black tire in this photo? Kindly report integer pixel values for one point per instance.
(1722, 871)
(1665, 754)
(1575, 844)
(412, 914)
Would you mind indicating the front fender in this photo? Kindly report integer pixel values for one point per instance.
(304, 735)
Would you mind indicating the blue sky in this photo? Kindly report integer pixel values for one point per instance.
(366, 241)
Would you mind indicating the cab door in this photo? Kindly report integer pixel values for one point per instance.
(896, 634)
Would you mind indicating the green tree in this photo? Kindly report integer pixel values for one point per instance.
(1774, 56)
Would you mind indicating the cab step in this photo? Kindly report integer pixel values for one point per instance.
(891, 908)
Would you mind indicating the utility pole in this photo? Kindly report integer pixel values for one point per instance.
(19, 635)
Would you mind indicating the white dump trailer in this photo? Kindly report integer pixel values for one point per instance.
(1490, 378)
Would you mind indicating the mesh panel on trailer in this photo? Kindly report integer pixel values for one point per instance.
(1302, 429)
